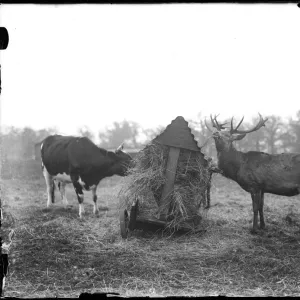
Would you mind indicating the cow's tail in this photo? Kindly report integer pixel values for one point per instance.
(42, 155)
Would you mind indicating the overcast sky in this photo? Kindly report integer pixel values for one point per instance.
(74, 65)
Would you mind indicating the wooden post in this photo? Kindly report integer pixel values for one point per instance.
(170, 179)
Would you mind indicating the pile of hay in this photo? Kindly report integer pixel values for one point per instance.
(145, 182)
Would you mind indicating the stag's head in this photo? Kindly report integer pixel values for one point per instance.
(224, 136)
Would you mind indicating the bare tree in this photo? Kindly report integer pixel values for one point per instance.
(43, 133)
(152, 133)
(86, 132)
(11, 143)
(28, 139)
(272, 133)
(287, 142)
(19, 143)
(253, 141)
(126, 131)
(203, 136)
(295, 132)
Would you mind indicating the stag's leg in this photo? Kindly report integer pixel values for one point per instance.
(255, 204)
(261, 211)
(79, 193)
(94, 192)
(208, 194)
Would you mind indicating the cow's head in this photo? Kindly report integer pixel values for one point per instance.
(124, 159)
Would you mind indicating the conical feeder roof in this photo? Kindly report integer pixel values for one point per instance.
(178, 134)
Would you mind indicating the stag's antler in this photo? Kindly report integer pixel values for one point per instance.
(260, 123)
(210, 129)
(215, 123)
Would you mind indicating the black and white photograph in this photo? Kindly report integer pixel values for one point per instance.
(150, 150)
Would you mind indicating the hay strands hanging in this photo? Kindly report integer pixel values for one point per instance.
(172, 170)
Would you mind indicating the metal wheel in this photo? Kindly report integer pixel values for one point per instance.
(124, 221)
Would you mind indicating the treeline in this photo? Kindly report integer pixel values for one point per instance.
(276, 137)
(19, 143)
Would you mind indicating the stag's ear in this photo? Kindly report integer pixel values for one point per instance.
(238, 137)
(120, 148)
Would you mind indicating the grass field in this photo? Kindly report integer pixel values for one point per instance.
(54, 253)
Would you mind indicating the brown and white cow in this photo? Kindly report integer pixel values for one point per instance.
(79, 161)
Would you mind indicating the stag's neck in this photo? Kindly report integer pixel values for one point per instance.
(230, 161)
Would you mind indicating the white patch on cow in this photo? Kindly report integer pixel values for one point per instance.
(96, 209)
(81, 182)
(49, 182)
(94, 193)
(63, 194)
(63, 177)
(92, 187)
(81, 208)
(42, 145)
(87, 188)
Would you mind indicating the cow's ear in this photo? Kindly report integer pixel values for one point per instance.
(120, 148)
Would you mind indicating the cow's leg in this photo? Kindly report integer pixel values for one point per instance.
(261, 211)
(94, 192)
(79, 193)
(255, 204)
(62, 189)
(50, 186)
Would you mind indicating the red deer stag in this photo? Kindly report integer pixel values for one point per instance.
(256, 172)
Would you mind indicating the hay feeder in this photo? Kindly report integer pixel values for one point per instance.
(182, 160)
